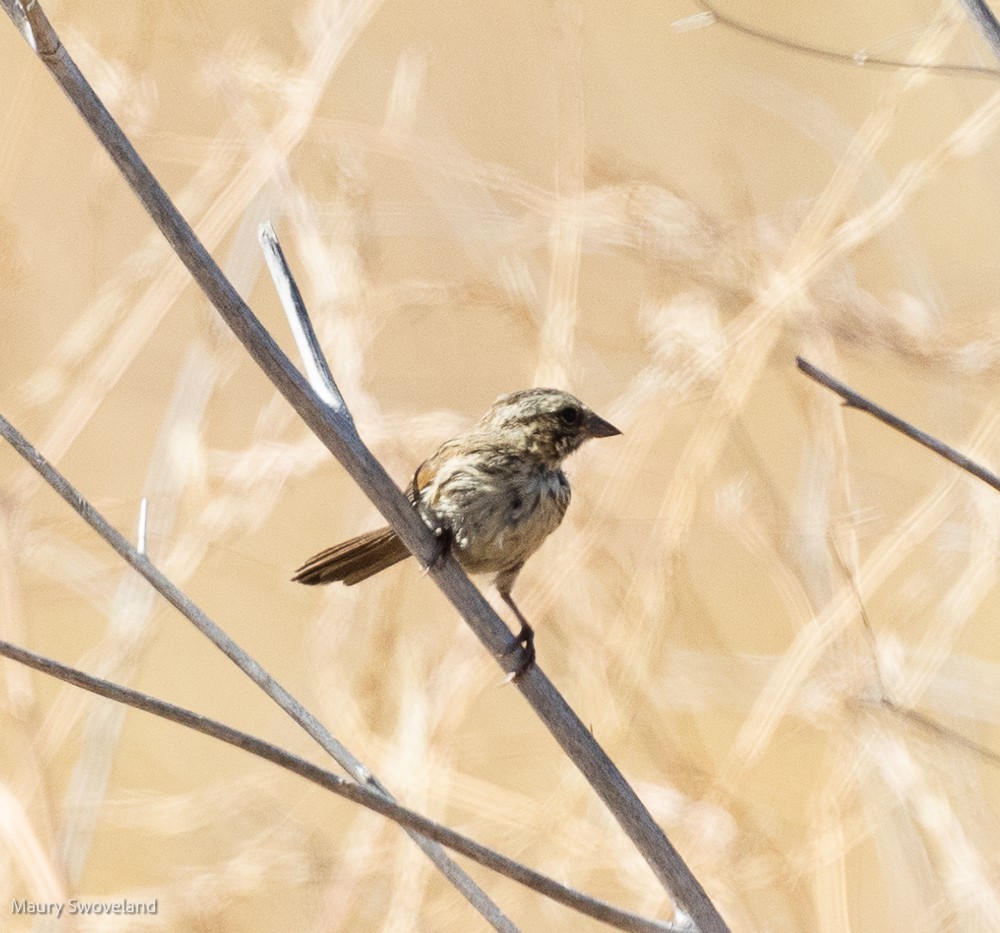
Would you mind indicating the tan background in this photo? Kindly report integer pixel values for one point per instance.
(476, 198)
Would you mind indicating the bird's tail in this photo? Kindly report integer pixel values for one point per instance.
(353, 561)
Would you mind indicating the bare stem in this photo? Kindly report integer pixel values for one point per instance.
(337, 432)
(313, 359)
(859, 58)
(360, 794)
(984, 20)
(855, 400)
(179, 600)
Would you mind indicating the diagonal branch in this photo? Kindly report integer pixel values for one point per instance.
(358, 793)
(984, 20)
(137, 559)
(315, 364)
(855, 400)
(337, 432)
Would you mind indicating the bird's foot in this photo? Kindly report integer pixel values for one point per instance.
(444, 538)
(523, 642)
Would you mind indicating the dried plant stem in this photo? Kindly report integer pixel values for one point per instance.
(337, 432)
(313, 360)
(984, 20)
(861, 57)
(180, 601)
(855, 400)
(360, 794)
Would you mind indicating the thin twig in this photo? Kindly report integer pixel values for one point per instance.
(854, 400)
(860, 58)
(337, 433)
(365, 796)
(950, 736)
(15, 10)
(984, 20)
(313, 360)
(180, 600)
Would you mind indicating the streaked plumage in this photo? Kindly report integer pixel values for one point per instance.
(494, 493)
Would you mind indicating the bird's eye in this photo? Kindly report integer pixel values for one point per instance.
(569, 415)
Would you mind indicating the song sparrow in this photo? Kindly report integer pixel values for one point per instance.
(492, 495)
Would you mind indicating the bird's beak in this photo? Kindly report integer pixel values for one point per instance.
(598, 427)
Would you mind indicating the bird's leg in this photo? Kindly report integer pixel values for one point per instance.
(523, 641)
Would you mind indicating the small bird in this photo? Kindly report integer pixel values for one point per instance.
(492, 495)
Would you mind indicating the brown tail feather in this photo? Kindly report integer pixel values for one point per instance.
(353, 561)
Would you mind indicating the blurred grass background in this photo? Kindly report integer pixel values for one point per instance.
(477, 198)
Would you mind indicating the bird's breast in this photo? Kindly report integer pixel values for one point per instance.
(499, 510)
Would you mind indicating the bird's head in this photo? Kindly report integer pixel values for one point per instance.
(551, 422)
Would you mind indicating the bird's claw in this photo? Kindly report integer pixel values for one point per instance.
(443, 541)
(523, 642)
